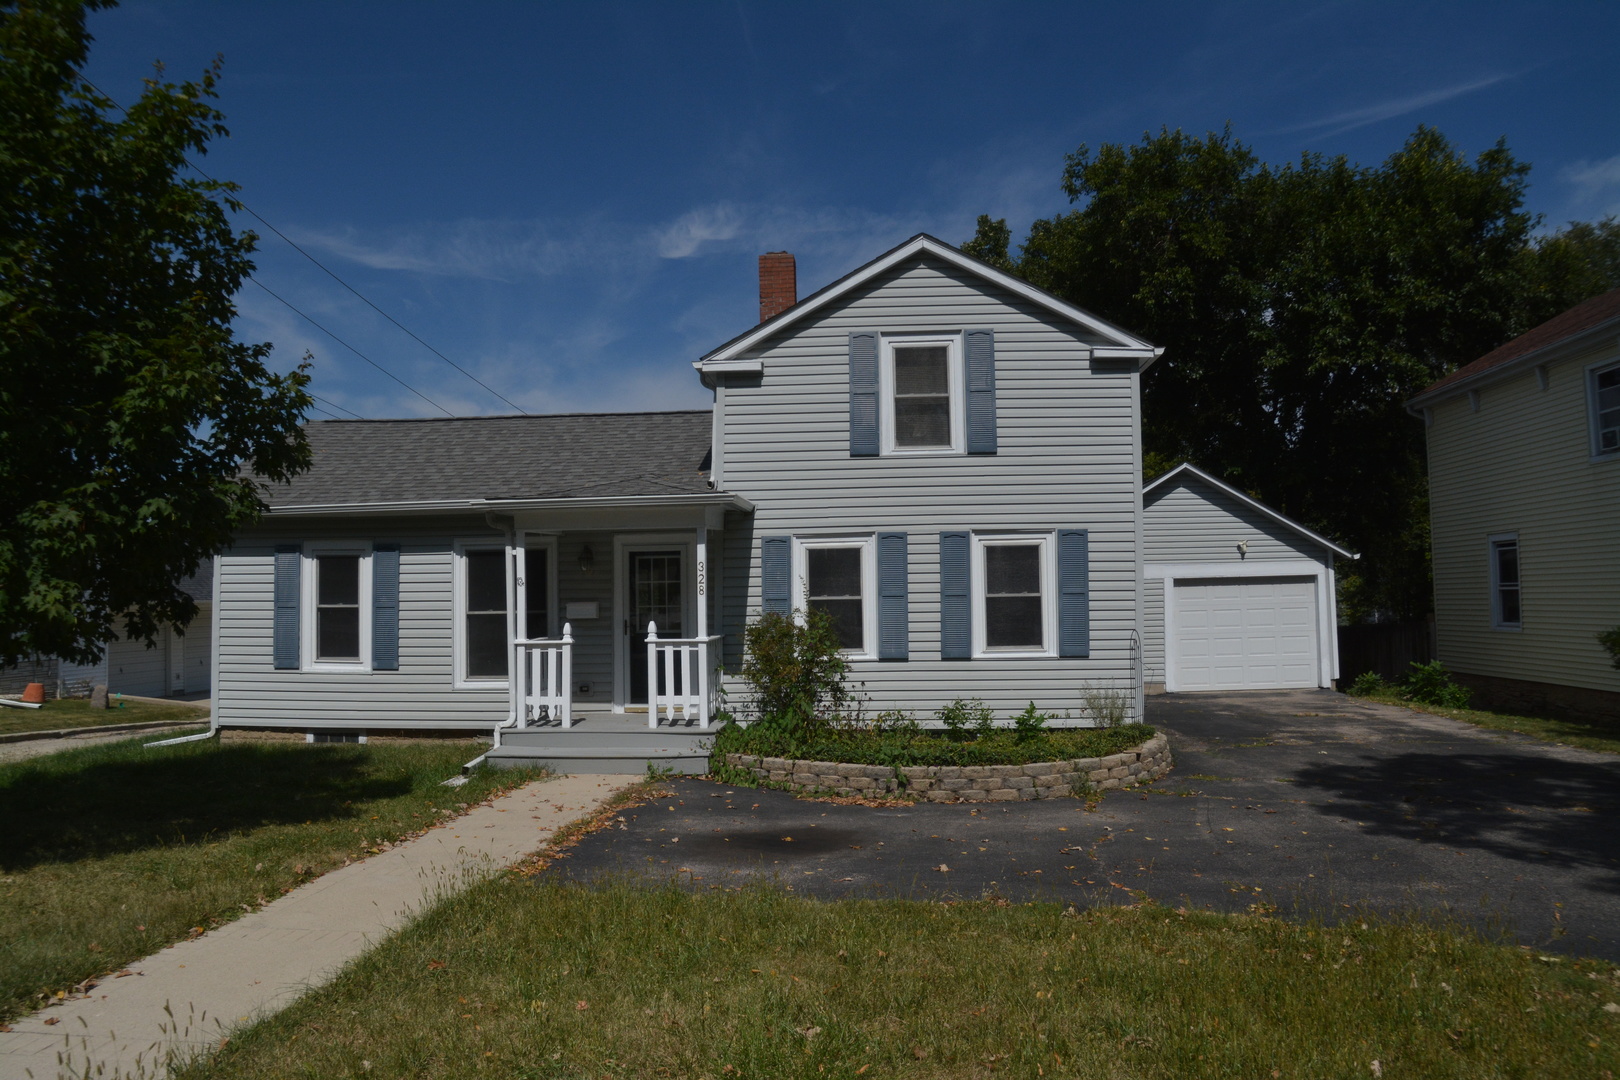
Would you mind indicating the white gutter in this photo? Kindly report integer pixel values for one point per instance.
(509, 530)
(508, 506)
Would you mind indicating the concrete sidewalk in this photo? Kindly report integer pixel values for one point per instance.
(189, 996)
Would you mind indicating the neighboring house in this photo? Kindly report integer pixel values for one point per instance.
(1238, 597)
(943, 457)
(179, 664)
(1524, 492)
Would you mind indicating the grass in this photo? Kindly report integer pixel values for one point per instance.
(111, 852)
(551, 981)
(76, 713)
(1601, 735)
(868, 745)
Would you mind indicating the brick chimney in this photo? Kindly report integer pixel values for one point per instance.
(778, 284)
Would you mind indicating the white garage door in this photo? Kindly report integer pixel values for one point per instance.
(1245, 633)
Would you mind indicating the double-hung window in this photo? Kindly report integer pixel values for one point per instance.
(1015, 608)
(838, 577)
(481, 630)
(1604, 392)
(337, 607)
(921, 382)
(1506, 613)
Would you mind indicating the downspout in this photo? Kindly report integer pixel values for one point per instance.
(213, 729)
(509, 531)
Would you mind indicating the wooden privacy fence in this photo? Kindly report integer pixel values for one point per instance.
(1389, 649)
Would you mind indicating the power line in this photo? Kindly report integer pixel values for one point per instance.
(335, 405)
(352, 349)
(327, 270)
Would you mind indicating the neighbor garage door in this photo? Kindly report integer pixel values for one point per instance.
(1245, 633)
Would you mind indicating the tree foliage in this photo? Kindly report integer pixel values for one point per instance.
(1300, 305)
(128, 411)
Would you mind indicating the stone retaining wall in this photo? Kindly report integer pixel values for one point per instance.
(967, 783)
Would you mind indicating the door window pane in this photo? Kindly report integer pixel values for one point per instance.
(485, 581)
(537, 620)
(337, 608)
(834, 586)
(922, 396)
(1013, 609)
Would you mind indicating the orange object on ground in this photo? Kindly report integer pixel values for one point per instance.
(34, 693)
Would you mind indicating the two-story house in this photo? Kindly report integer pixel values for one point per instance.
(944, 458)
(1524, 489)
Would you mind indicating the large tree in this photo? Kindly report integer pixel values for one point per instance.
(1300, 305)
(130, 416)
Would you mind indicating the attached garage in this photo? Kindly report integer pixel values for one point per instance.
(1237, 597)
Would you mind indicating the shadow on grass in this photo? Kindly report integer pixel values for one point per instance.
(1529, 808)
(101, 802)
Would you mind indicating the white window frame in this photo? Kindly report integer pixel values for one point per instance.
(458, 627)
(801, 584)
(308, 595)
(1592, 373)
(1047, 542)
(1493, 543)
(955, 383)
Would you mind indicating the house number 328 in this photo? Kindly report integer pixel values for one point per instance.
(702, 576)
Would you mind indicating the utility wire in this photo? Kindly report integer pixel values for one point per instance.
(352, 349)
(335, 405)
(327, 270)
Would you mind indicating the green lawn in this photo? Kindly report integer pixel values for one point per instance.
(514, 979)
(77, 713)
(108, 853)
(1586, 734)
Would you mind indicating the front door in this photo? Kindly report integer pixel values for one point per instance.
(654, 594)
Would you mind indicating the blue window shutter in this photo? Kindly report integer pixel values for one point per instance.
(775, 574)
(285, 632)
(955, 603)
(863, 395)
(894, 629)
(385, 607)
(1074, 593)
(981, 391)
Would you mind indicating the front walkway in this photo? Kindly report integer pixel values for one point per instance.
(188, 997)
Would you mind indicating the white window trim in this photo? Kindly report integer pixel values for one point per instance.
(801, 584)
(956, 383)
(307, 597)
(458, 626)
(1491, 544)
(1049, 621)
(1592, 373)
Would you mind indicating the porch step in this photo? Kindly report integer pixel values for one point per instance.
(688, 759)
(586, 735)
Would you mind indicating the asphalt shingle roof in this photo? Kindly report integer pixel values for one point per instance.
(581, 455)
(1582, 316)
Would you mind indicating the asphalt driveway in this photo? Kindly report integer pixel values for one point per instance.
(1302, 801)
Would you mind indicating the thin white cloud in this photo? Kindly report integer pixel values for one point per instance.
(484, 249)
(687, 234)
(1351, 119)
(1597, 185)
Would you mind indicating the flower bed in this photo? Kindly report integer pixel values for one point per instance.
(1028, 769)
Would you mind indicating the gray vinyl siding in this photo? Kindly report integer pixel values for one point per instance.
(1066, 458)
(1188, 521)
(593, 638)
(422, 691)
(1523, 464)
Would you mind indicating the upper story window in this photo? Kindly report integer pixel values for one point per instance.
(838, 577)
(1605, 395)
(922, 395)
(337, 607)
(1505, 609)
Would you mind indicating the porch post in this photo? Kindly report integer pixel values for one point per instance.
(516, 606)
(701, 547)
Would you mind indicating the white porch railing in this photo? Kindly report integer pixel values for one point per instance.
(546, 673)
(687, 665)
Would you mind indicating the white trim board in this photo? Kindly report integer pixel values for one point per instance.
(1327, 637)
(1125, 347)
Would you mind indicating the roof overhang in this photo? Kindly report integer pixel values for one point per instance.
(732, 357)
(722, 499)
(1188, 469)
(1581, 340)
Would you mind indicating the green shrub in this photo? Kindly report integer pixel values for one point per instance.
(864, 744)
(1610, 639)
(1030, 724)
(964, 720)
(1431, 684)
(1108, 706)
(1367, 684)
(795, 670)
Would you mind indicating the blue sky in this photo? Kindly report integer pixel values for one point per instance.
(568, 199)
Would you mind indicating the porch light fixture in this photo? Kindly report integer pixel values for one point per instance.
(587, 559)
